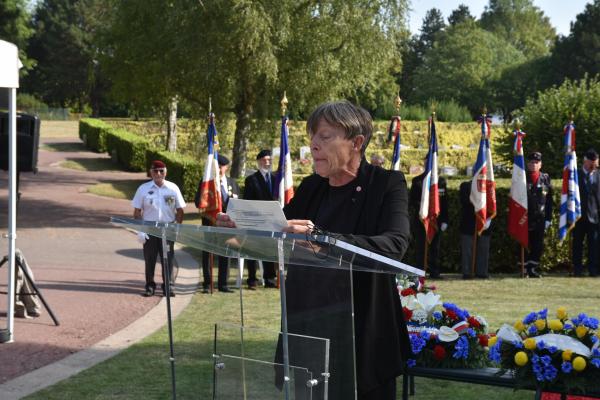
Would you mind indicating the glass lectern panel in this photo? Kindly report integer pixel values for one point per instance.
(316, 251)
(248, 364)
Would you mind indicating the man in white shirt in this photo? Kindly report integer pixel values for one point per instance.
(159, 201)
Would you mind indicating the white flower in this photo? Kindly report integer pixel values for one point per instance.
(428, 301)
(447, 334)
(409, 302)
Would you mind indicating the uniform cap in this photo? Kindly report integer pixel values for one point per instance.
(591, 155)
(222, 160)
(535, 156)
(263, 153)
(156, 164)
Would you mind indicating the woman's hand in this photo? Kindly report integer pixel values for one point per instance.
(299, 226)
(223, 220)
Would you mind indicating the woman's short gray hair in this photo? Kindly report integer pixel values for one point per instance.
(354, 120)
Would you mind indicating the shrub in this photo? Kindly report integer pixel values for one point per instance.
(93, 134)
(128, 149)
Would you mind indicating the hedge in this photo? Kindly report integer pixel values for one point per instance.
(127, 149)
(184, 171)
(93, 134)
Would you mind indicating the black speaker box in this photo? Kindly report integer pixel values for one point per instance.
(28, 140)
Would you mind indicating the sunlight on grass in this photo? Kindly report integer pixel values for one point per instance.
(59, 129)
(90, 164)
(116, 189)
(64, 147)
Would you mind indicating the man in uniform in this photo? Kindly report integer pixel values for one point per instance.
(418, 229)
(259, 186)
(229, 189)
(158, 201)
(539, 211)
(587, 225)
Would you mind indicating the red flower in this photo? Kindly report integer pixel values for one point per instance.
(473, 322)
(407, 313)
(451, 314)
(439, 353)
(483, 340)
(408, 292)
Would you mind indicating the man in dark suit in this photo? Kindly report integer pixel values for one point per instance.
(587, 225)
(229, 189)
(259, 186)
(418, 229)
(467, 230)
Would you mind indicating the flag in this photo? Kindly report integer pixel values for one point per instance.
(394, 132)
(210, 188)
(284, 186)
(570, 204)
(430, 196)
(483, 186)
(518, 226)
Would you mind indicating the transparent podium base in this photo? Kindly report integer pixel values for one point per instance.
(248, 364)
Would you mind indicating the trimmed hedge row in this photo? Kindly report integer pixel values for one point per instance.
(135, 153)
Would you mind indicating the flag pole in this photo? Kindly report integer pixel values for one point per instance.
(522, 261)
(284, 103)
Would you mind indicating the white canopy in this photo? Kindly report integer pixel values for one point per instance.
(9, 82)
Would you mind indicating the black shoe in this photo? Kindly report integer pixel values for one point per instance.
(251, 287)
(270, 284)
(225, 290)
(149, 292)
(205, 289)
(533, 274)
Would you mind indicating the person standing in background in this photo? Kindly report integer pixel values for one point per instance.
(259, 186)
(158, 201)
(467, 230)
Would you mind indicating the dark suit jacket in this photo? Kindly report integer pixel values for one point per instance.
(255, 187)
(590, 198)
(467, 212)
(234, 189)
(415, 198)
(380, 225)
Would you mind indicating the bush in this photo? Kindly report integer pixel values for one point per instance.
(128, 149)
(545, 117)
(93, 133)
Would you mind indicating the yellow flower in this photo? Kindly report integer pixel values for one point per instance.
(519, 326)
(540, 324)
(521, 358)
(555, 324)
(581, 331)
(529, 344)
(492, 341)
(579, 364)
(567, 355)
(561, 313)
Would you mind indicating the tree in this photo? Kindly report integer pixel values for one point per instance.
(67, 71)
(521, 24)
(15, 26)
(413, 53)
(462, 64)
(579, 53)
(460, 15)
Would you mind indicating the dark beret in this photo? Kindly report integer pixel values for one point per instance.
(158, 164)
(591, 155)
(535, 156)
(222, 160)
(263, 153)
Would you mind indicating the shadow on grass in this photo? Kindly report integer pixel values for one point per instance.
(65, 147)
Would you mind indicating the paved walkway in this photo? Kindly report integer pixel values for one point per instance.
(90, 272)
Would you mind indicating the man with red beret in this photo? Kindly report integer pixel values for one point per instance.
(158, 201)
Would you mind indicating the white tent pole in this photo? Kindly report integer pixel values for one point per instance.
(12, 207)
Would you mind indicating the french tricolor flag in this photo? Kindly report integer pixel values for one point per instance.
(210, 188)
(430, 196)
(518, 226)
(570, 201)
(284, 188)
(483, 186)
(394, 132)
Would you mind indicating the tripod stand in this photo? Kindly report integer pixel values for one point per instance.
(24, 268)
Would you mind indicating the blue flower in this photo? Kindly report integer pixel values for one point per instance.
(437, 315)
(594, 339)
(595, 362)
(461, 349)
(541, 345)
(530, 318)
(546, 360)
(552, 349)
(494, 353)
(592, 323)
(518, 344)
(550, 372)
(566, 367)
(417, 343)
(471, 332)
(425, 335)
(543, 314)
(567, 326)
(532, 330)
(595, 353)
(535, 358)
(411, 363)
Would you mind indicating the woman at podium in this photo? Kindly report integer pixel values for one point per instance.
(366, 206)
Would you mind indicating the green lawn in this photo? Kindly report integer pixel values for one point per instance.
(143, 370)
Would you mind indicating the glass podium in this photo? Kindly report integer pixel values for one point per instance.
(312, 355)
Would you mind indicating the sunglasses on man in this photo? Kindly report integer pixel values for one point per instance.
(159, 170)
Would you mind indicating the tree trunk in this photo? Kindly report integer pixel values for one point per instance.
(240, 141)
(172, 126)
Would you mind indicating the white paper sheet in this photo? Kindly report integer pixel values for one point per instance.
(256, 214)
